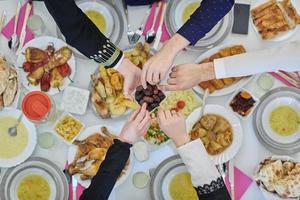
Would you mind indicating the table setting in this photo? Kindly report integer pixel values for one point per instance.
(60, 111)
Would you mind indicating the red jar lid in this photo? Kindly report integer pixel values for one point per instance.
(36, 105)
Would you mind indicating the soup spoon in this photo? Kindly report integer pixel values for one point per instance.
(12, 131)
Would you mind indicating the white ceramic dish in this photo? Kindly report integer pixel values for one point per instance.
(87, 132)
(42, 43)
(32, 139)
(252, 109)
(233, 149)
(227, 89)
(268, 195)
(282, 36)
(100, 8)
(282, 101)
(179, 11)
(61, 137)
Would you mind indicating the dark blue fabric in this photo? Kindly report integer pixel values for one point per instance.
(204, 19)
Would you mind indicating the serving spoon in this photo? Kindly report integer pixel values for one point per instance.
(13, 42)
(12, 131)
(151, 34)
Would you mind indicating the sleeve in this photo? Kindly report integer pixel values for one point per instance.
(204, 19)
(205, 176)
(140, 2)
(81, 33)
(109, 171)
(286, 58)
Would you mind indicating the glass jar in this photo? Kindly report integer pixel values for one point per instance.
(39, 107)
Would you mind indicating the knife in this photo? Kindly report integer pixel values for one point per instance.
(74, 187)
(231, 178)
(2, 20)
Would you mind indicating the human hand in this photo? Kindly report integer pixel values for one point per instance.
(136, 126)
(131, 74)
(156, 68)
(173, 125)
(186, 76)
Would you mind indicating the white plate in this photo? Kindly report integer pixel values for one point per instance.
(42, 43)
(32, 138)
(227, 89)
(100, 8)
(233, 149)
(282, 101)
(90, 131)
(180, 9)
(284, 35)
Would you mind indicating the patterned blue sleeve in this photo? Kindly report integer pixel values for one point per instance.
(204, 19)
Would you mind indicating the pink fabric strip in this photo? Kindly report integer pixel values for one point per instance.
(8, 29)
(288, 80)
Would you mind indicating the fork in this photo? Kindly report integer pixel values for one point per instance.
(130, 32)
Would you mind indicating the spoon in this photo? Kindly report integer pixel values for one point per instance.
(150, 35)
(204, 102)
(139, 32)
(12, 131)
(13, 42)
(222, 168)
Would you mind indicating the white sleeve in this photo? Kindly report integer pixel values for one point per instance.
(198, 163)
(286, 58)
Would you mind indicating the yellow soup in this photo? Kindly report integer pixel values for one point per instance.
(33, 187)
(181, 187)
(189, 10)
(98, 19)
(284, 120)
(12, 146)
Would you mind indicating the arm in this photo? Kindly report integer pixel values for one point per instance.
(81, 33)
(109, 171)
(285, 58)
(204, 19)
(208, 183)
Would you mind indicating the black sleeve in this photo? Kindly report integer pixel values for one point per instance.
(216, 190)
(109, 171)
(81, 33)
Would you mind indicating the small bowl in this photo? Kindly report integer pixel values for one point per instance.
(140, 175)
(61, 137)
(252, 109)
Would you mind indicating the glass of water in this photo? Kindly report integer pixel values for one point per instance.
(36, 25)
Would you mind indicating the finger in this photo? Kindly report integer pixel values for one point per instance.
(168, 87)
(145, 128)
(134, 114)
(142, 113)
(149, 76)
(144, 121)
(173, 75)
(175, 68)
(168, 114)
(172, 81)
(174, 113)
(144, 76)
(156, 78)
(161, 116)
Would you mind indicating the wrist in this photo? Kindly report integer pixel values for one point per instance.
(176, 44)
(124, 139)
(209, 71)
(181, 140)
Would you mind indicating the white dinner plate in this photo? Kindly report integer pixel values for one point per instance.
(227, 89)
(233, 149)
(282, 101)
(100, 8)
(42, 43)
(32, 138)
(284, 35)
(90, 131)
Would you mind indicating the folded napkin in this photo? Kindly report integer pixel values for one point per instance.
(165, 35)
(291, 79)
(8, 29)
(79, 189)
(241, 183)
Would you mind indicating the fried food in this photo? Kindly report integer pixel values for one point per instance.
(274, 18)
(8, 84)
(90, 154)
(215, 132)
(68, 127)
(140, 54)
(218, 84)
(107, 94)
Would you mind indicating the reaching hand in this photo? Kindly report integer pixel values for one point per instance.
(131, 74)
(187, 76)
(156, 68)
(173, 124)
(136, 126)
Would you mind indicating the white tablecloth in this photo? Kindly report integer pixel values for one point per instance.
(250, 154)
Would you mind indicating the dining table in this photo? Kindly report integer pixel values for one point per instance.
(247, 159)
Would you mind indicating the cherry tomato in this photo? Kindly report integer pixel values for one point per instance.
(180, 104)
(45, 82)
(64, 70)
